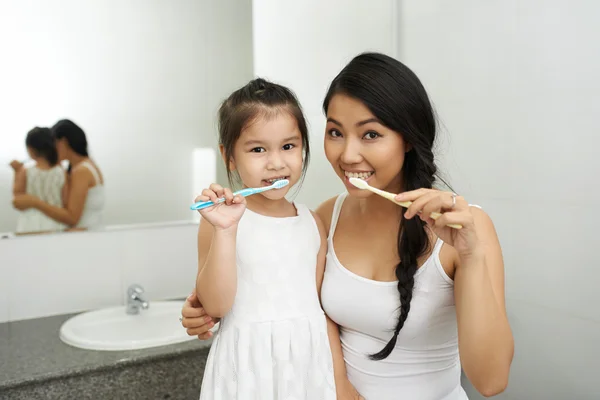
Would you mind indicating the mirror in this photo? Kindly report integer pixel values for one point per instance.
(140, 81)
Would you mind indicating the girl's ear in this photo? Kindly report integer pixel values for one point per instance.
(229, 163)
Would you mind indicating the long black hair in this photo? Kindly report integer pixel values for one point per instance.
(394, 94)
(40, 140)
(73, 134)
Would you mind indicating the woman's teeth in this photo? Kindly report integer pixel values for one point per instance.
(360, 175)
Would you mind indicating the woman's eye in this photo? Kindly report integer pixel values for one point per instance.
(372, 135)
(334, 133)
(288, 146)
(258, 150)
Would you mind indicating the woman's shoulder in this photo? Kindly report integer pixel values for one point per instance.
(325, 211)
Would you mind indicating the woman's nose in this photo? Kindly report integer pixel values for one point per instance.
(351, 153)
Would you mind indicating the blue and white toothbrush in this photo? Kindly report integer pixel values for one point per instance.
(244, 192)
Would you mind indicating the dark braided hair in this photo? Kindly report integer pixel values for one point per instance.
(394, 94)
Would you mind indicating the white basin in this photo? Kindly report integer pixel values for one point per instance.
(113, 329)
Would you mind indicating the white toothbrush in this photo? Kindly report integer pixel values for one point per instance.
(244, 192)
(361, 184)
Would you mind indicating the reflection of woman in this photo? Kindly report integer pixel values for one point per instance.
(45, 180)
(85, 201)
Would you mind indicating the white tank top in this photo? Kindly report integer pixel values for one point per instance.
(47, 185)
(425, 364)
(93, 210)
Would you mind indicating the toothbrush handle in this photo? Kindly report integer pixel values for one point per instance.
(201, 205)
(406, 204)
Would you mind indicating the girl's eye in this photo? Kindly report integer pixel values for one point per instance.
(258, 150)
(288, 146)
(371, 135)
(334, 133)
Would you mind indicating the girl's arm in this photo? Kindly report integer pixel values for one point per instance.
(344, 388)
(484, 335)
(20, 181)
(71, 213)
(216, 283)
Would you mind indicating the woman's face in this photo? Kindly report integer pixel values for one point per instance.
(358, 145)
(62, 148)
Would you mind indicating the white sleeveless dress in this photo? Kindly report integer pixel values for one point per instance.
(93, 210)
(46, 185)
(273, 344)
(425, 363)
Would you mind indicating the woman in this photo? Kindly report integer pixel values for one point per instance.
(85, 201)
(414, 299)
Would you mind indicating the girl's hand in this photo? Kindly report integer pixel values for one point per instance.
(454, 210)
(195, 320)
(226, 214)
(16, 165)
(24, 201)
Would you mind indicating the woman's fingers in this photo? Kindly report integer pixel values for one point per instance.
(205, 336)
(191, 312)
(419, 203)
(202, 330)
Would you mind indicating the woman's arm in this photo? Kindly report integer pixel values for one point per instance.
(485, 339)
(344, 388)
(333, 331)
(70, 214)
(64, 195)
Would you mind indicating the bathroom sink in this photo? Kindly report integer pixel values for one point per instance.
(114, 329)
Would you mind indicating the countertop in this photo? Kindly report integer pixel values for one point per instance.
(31, 351)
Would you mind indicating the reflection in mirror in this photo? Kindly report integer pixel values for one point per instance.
(112, 109)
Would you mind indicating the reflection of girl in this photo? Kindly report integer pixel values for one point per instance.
(45, 180)
(85, 202)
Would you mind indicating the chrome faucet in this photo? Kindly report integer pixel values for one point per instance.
(135, 300)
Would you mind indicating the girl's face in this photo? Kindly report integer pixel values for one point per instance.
(358, 145)
(62, 148)
(267, 150)
(32, 153)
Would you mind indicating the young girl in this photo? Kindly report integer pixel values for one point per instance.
(261, 259)
(46, 180)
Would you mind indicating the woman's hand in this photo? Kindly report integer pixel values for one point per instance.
(25, 201)
(454, 209)
(16, 165)
(223, 215)
(345, 391)
(195, 320)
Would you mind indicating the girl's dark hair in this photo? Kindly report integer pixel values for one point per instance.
(73, 134)
(258, 98)
(40, 140)
(395, 95)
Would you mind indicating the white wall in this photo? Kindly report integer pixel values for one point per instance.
(142, 77)
(304, 44)
(516, 84)
(57, 274)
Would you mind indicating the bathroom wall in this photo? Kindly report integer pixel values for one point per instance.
(304, 44)
(57, 274)
(516, 85)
